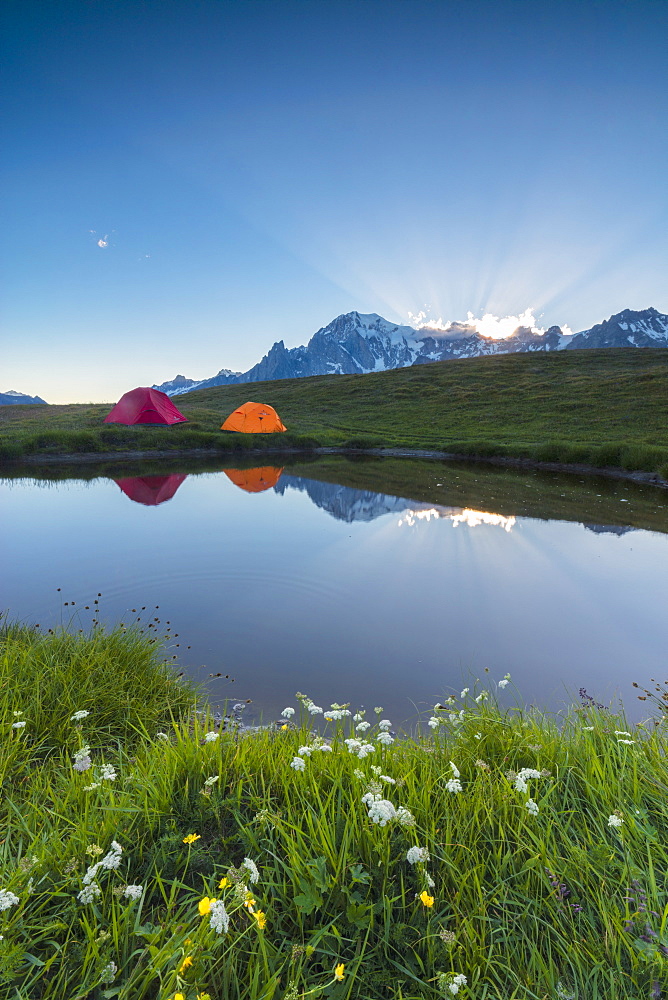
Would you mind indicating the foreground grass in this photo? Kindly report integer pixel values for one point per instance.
(606, 408)
(528, 890)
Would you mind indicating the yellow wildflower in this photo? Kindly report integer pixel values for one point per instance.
(224, 883)
(427, 900)
(178, 996)
(261, 919)
(284, 726)
(185, 964)
(249, 901)
(338, 971)
(191, 838)
(204, 905)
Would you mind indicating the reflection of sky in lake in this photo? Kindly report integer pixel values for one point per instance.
(376, 600)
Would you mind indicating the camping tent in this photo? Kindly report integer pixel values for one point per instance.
(144, 406)
(254, 480)
(151, 490)
(254, 418)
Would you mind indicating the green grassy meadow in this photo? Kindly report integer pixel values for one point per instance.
(497, 854)
(606, 408)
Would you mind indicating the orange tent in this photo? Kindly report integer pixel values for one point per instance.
(254, 480)
(254, 418)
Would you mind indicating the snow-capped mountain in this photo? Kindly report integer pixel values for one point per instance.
(647, 328)
(11, 397)
(359, 343)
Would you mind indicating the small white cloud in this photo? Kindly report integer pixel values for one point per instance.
(103, 243)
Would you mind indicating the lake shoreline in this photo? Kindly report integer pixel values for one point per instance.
(293, 829)
(83, 458)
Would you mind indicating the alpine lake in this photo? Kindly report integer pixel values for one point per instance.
(373, 582)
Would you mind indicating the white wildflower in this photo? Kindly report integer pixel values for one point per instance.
(381, 811)
(251, 868)
(502, 684)
(454, 769)
(483, 696)
(386, 777)
(429, 880)
(17, 713)
(162, 736)
(615, 820)
(133, 891)
(464, 692)
(457, 981)
(417, 854)
(362, 727)
(212, 780)
(478, 736)
(532, 807)
(521, 778)
(405, 817)
(107, 773)
(335, 713)
(287, 713)
(453, 785)
(324, 746)
(211, 736)
(434, 722)
(366, 749)
(219, 920)
(298, 763)
(358, 717)
(82, 760)
(378, 710)
(628, 742)
(304, 751)
(108, 974)
(7, 899)
(78, 716)
(622, 732)
(89, 893)
(113, 859)
(384, 724)
(589, 729)
(359, 774)
(385, 738)
(314, 709)
(19, 725)
(91, 787)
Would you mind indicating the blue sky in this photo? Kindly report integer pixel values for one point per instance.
(257, 168)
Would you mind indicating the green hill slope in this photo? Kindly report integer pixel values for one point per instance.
(607, 408)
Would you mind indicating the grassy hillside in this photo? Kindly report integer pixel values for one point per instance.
(607, 408)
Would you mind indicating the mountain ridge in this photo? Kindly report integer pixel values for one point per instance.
(360, 343)
(12, 397)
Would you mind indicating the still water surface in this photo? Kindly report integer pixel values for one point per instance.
(289, 583)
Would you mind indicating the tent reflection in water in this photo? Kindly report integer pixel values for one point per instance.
(255, 480)
(151, 490)
(254, 418)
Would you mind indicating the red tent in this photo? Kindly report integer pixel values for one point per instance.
(151, 490)
(144, 406)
